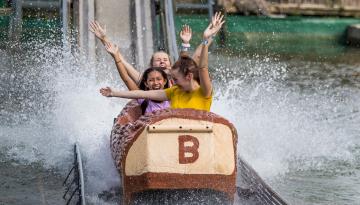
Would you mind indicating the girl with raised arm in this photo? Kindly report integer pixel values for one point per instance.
(160, 58)
(154, 78)
(193, 87)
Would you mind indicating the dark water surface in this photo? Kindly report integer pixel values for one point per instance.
(28, 183)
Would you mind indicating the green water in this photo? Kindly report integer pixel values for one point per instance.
(41, 28)
(4, 24)
(33, 28)
(303, 37)
(3, 3)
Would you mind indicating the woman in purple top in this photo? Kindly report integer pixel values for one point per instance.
(148, 106)
(153, 78)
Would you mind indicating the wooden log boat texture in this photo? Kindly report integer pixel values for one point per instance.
(174, 149)
(182, 151)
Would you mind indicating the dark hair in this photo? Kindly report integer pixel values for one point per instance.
(152, 57)
(142, 85)
(187, 65)
(145, 76)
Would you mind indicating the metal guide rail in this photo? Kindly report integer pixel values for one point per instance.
(75, 184)
(254, 189)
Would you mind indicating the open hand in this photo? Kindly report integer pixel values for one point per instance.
(107, 92)
(96, 29)
(185, 34)
(215, 25)
(112, 49)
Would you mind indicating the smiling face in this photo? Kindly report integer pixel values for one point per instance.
(161, 59)
(185, 73)
(155, 81)
(181, 80)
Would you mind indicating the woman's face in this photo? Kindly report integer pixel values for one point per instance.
(180, 79)
(161, 59)
(155, 81)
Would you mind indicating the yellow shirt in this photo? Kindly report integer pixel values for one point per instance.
(181, 99)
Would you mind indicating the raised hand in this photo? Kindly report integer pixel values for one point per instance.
(96, 29)
(215, 25)
(185, 34)
(107, 92)
(112, 49)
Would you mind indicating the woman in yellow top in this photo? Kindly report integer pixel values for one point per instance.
(193, 87)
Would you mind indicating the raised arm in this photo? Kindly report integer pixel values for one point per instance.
(197, 53)
(157, 95)
(100, 33)
(113, 50)
(133, 73)
(185, 35)
(205, 81)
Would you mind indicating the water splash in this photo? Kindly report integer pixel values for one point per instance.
(280, 122)
(288, 127)
(289, 119)
(54, 103)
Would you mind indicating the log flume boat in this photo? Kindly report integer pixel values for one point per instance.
(182, 151)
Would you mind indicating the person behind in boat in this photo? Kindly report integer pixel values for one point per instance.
(159, 58)
(154, 78)
(193, 87)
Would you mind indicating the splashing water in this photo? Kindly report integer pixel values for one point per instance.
(295, 120)
(50, 103)
(296, 128)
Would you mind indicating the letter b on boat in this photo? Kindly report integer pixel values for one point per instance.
(185, 149)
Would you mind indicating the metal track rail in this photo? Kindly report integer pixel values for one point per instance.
(170, 27)
(256, 187)
(166, 34)
(76, 184)
(166, 37)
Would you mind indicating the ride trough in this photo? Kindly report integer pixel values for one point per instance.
(178, 149)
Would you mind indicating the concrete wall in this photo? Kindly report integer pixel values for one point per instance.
(128, 24)
(143, 32)
(84, 14)
(115, 15)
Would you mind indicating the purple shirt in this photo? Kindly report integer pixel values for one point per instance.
(153, 106)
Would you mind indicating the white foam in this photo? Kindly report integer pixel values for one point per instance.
(276, 124)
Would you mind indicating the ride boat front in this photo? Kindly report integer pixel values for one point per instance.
(174, 149)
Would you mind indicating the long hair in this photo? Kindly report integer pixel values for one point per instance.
(187, 65)
(142, 84)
